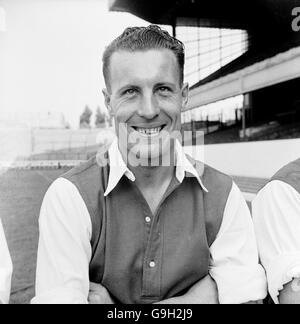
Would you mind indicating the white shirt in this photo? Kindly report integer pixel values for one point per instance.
(6, 269)
(64, 251)
(276, 213)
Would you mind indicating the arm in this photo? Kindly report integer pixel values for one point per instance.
(64, 250)
(99, 295)
(6, 269)
(290, 294)
(203, 292)
(276, 211)
(234, 256)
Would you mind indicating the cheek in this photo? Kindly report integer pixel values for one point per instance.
(123, 111)
(172, 108)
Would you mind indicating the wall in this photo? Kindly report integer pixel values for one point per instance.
(251, 159)
(14, 142)
(54, 140)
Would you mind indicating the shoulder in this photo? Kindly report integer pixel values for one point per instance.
(63, 204)
(276, 193)
(61, 192)
(91, 179)
(219, 186)
(214, 180)
(290, 170)
(85, 168)
(289, 174)
(90, 175)
(217, 180)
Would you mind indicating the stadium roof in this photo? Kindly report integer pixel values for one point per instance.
(267, 72)
(249, 58)
(241, 14)
(269, 27)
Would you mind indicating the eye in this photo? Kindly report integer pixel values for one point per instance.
(129, 92)
(164, 90)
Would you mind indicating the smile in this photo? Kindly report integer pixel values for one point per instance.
(148, 131)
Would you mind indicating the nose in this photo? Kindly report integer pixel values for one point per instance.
(149, 107)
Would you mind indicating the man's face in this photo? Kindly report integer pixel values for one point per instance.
(146, 99)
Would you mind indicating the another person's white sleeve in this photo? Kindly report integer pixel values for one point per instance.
(234, 256)
(64, 250)
(276, 213)
(6, 269)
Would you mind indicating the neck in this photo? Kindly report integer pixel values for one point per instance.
(152, 177)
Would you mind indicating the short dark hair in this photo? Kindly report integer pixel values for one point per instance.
(141, 39)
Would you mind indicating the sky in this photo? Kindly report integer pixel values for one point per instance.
(51, 50)
(50, 54)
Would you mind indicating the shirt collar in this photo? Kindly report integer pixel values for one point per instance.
(118, 168)
(184, 167)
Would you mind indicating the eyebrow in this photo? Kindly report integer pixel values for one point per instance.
(162, 84)
(159, 84)
(156, 85)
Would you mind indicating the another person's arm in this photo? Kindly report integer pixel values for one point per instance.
(5, 269)
(290, 293)
(64, 251)
(276, 211)
(203, 292)
(234, 255)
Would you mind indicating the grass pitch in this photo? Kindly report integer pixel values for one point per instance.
(21, 195)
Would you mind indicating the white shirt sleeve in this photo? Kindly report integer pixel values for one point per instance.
(64, 251)
(6, 268)
(234, 256)
(276, 213)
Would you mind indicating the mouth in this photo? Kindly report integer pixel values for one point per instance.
(149, 132)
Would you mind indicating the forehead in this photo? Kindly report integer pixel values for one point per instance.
(143, 66)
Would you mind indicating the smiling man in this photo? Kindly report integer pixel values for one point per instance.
(144, 222)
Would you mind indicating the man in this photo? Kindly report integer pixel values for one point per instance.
(5, 269)
(140, 229)
(276, 211)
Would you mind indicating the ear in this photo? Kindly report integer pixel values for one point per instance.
(185, 95)
(107, 100)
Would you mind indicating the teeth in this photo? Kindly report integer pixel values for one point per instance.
(149, 131)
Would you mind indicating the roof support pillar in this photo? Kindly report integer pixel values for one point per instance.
(174, 25)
